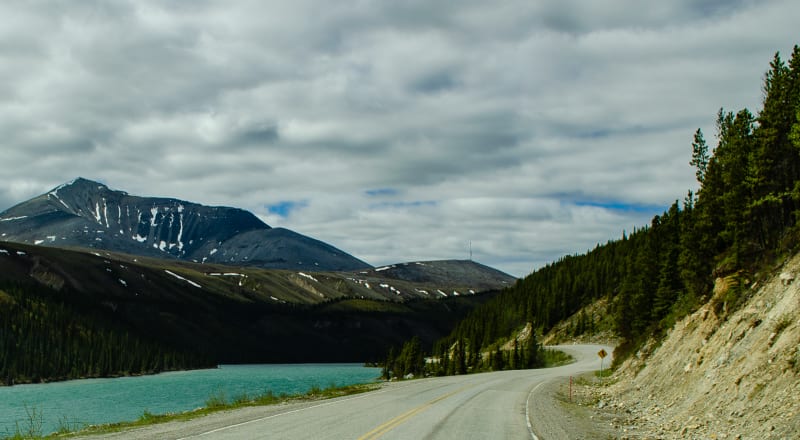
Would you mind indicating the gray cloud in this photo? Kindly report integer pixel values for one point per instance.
(394, 130)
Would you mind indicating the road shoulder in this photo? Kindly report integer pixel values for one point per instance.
(554, 414)
(209, 423)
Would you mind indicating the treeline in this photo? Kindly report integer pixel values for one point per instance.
(743, 217)
(45, 339)
(458, 358)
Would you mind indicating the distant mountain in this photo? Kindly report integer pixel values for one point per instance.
(436, 279)
(77, 313)
(88, 214)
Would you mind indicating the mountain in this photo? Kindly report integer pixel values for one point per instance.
(437, 279)
(96, 282)
(77, 313)
(88, 214)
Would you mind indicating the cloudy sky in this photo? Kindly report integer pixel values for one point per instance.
(394, 130)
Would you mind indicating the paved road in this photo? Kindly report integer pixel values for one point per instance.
(479, 406)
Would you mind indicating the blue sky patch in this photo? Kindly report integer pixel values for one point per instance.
(413, 204)
(617, 205)
(285, 207)
(381, 192)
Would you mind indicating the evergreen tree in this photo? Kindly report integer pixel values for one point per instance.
(669, 281)
(744, 213)
(700, 156)
(388, 365)
(531, 355)
(43, 338)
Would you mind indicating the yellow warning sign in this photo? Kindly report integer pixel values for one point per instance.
(602, 353)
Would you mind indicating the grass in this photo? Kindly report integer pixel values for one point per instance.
(31, 427)
(605, 372)
(65, 426)
(782, 322)
(216, 400)
(555, 358)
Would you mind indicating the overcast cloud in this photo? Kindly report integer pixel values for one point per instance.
(396, 131)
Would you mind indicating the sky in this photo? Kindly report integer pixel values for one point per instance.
(394, 130)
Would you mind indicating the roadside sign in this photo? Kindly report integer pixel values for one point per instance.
(602, 353)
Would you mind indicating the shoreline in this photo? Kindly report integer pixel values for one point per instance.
(68, 406)
(215, 406)
(46, 381)
(4, 384)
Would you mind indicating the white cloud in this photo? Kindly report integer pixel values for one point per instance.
(531, 129)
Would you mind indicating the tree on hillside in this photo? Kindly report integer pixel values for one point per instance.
(532, 352)
(744, 214)
(700, 155)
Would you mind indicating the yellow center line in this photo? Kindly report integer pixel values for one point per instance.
(397, 421)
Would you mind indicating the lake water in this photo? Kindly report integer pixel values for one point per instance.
(94, 401)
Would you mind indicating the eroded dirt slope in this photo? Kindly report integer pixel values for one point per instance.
(720, 377)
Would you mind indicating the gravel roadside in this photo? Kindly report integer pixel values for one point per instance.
(554, 415)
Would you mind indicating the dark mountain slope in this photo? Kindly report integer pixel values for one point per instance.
(67, 313)
(84, 213)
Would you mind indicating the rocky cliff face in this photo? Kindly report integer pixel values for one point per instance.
(88, 214)
(721, 375)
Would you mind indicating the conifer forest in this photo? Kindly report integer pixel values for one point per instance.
(740, 222)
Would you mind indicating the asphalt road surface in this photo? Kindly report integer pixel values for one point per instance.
(478, 406)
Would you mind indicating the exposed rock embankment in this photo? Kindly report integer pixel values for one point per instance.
(717, 374)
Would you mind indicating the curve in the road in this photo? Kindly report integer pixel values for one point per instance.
(477, 406)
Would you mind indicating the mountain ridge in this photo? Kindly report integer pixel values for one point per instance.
(188, 286)
(84, 213)
(155, 314)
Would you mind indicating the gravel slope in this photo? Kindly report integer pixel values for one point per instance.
(721, 375)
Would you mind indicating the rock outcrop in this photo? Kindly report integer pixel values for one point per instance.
(719, 375)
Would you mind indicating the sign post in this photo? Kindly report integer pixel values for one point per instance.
(602, 353)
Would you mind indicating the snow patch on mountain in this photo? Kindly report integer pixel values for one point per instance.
(153, 214)
(162, 227)
(182, 278)
(307, 276)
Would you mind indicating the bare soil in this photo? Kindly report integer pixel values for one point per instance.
(719, 374)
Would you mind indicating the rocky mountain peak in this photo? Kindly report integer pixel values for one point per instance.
(86, 213)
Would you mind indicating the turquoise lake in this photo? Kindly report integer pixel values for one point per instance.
(94, 401)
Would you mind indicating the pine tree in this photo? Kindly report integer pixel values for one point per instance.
(388, 365)
(700, 156)
(532, 349)
(669, 282)
(745, 210)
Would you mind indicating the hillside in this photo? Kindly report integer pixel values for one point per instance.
(434, 279)
(719, 375)
(70, 313)
(741, 221)
(88, 214)
(119, 275)
(702, 303)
